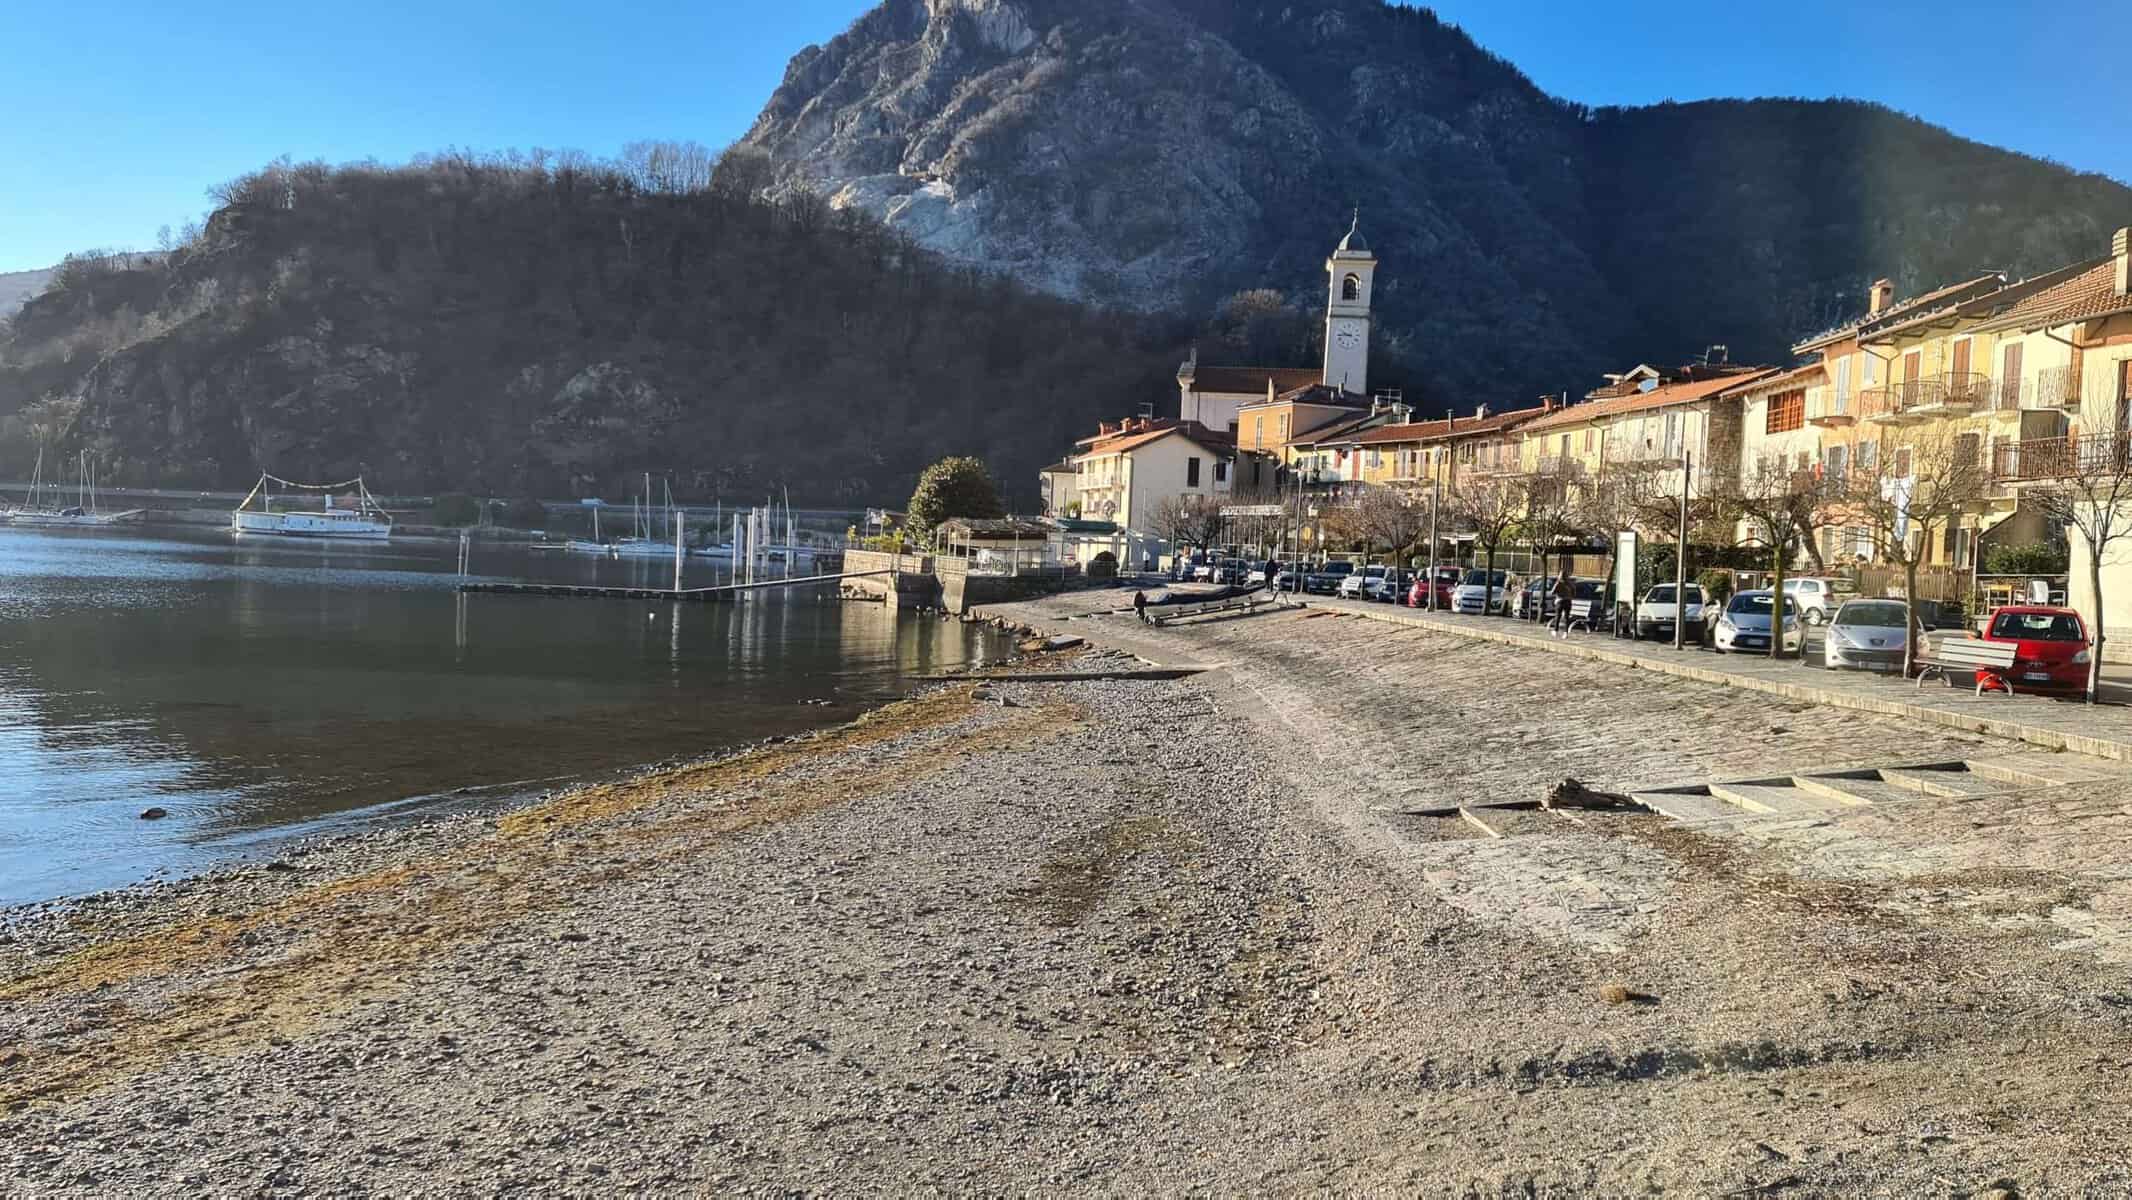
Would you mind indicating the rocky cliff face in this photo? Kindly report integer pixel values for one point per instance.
(1158, 154)
(18, 286)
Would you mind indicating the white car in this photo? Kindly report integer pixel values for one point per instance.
(1744, 625)
(1656, 612)
(1256, 577)
(1817, 597)
(1480, 592)
(1357, 586)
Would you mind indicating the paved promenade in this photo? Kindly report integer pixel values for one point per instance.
(2056, 724)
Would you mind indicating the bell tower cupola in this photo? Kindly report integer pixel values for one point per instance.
(1351, 272)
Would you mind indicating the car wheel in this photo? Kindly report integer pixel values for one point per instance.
(1814, 616)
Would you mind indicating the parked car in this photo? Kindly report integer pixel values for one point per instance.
(1480, 592)
(1445, 583)
(1657, 611)
(1325, 579)
(1256, 576)
(1389, 587)
(1288, 579)
(1744, 625)
(1866, 634)
(1232, 571)
(1355, 586)
(2050, 646)
(1818, 596)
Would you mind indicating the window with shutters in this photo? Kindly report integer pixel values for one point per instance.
(1837, 458)
(1191, 471)
(1843, 384)
(2010, 376)
(1258, 431)
(1868, 457)
(1221, 470)
(1787, 411)
(1899, 466)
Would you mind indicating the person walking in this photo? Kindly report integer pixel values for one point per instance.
(1564, 591)
(1140, 605)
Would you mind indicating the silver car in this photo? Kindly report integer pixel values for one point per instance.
(1744, 625)
(1867, 634)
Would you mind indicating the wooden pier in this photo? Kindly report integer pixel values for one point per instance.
(727, 591)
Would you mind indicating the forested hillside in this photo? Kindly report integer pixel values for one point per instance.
(534, 326)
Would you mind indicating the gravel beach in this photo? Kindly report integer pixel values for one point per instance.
(1127, 936)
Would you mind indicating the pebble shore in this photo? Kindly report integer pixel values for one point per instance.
(1121, 936)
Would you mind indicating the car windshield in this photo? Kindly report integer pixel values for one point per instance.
(1477, 578)
(1586, 589)
(1881, 614)
(1663, 594)
(2037, 627)
(1339, 568)
(1758, 604)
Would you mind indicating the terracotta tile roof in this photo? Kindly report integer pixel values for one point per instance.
(1064, 466)
(1907, 310)
(1137, 438)
(2091, 293)
(1811, 373)
(1252, 379)
(1430, 431)
(1334, 429)
(1318, 393)
(1660, 397)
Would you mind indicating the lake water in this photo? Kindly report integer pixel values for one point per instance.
(263, 688)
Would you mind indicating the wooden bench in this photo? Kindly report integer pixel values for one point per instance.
(1965, 654)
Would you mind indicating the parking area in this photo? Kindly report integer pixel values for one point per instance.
(2051, 722)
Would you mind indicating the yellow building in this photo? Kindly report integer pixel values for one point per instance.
(1935, 371)
(1642, 419)
(2070, 350)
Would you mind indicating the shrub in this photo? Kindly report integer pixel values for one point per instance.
(456, 508)
(2036, 559)
(1716, 584)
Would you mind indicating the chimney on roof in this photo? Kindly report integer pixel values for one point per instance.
(2121, 247)
(1480, 411)
(1880, 297)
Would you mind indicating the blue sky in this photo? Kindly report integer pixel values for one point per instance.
(121, 114)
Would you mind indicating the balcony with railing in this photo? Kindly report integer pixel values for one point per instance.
(1909, 401)
(1830, 408)
(2036, 460)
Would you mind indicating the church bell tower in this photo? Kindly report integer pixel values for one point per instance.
(1351, 270)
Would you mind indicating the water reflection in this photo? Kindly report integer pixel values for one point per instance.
(250, 688)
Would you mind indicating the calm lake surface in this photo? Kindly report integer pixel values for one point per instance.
(264, 688)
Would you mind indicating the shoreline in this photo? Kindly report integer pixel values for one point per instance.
(1015, 936)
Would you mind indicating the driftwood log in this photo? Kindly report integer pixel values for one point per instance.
(1571, 793)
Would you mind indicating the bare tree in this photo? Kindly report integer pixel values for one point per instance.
(2090, 495)
(671, 168)
(1773, 507)
(1390, 519)
(1489, 508)
(1194, 521)
(1908, 493)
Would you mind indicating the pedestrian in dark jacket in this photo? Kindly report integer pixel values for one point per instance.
(1565, 590)
(1140, 605)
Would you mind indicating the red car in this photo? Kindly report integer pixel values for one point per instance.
(2050, 646)
(1446, 579)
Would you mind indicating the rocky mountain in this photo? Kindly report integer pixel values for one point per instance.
(1160, 154)
(18, 286)
(547, 328)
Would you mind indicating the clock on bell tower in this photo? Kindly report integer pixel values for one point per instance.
(1351, 271)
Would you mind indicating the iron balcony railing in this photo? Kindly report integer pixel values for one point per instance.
(2061, 457)
(1965, 387)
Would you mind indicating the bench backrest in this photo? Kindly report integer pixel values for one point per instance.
(1971, 652)
(1581, 610)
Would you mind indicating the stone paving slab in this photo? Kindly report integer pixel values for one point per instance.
(2101, 730)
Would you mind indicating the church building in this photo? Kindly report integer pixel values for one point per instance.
(1265, 408)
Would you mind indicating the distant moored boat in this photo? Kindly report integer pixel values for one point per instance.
(353, 515)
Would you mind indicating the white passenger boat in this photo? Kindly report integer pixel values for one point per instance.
(311, 510)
